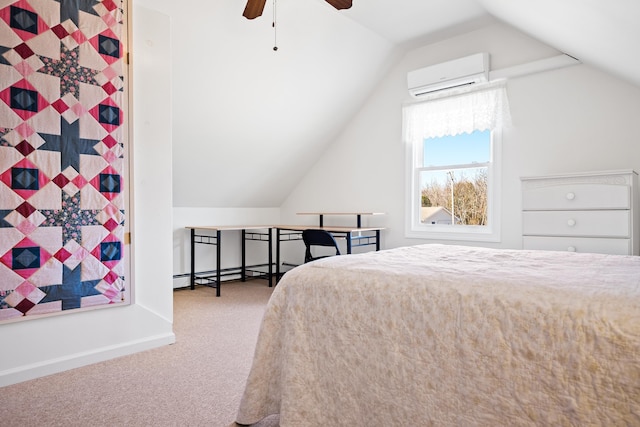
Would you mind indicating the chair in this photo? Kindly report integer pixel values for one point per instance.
(318, 238)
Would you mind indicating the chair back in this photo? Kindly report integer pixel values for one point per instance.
(312, 238)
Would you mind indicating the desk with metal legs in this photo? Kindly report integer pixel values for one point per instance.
(354, 237)
(358, 216)
(248, 232)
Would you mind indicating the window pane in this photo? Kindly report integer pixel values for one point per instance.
(457, 197)
(458, 150)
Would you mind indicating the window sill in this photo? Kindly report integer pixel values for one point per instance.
(461, 235)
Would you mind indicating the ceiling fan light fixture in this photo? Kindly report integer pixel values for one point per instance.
(254, 8)
(340, 4)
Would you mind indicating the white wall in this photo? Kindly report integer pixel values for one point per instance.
(44, 346)
(568, 120)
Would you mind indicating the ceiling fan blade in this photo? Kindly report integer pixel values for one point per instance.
(340, 4)
(254, 8)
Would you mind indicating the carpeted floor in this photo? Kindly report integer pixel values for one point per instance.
(198, 381)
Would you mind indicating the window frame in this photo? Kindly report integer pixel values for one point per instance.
(415, 229)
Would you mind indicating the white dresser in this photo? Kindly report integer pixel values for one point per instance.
(589, 212)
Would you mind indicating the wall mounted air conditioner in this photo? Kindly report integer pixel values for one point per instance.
(458, 72)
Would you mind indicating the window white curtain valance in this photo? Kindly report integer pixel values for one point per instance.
(482, 107)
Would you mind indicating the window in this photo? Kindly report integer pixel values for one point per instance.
(453, 165)
(453, 180)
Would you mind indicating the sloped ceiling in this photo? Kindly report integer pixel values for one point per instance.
(249, 121)
(404, 21)
(604, 34)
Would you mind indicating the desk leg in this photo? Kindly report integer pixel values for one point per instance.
(270, 259)
(348, 242)
(218, 257)
(192, 276)
(377, 240)
(277, 254)
(243, 270)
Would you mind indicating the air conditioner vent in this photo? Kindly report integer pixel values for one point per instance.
(447, 75)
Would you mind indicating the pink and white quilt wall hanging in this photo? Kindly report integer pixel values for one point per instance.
(62, 204)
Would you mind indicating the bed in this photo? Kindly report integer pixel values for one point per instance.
(449, 335)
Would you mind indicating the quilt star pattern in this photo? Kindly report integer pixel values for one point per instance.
(62, 154)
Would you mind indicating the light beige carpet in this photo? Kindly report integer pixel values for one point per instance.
(198, 381)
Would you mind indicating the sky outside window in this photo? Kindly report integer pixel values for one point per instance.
(457, 150)
(462, 149)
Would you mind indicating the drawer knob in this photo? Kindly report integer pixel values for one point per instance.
(571, 222)
(571, 196)
(571, 249)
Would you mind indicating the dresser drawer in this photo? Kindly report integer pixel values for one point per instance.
(579, 244)
(576, 197)
(576, 223)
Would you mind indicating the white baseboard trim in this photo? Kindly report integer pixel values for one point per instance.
(72, 361)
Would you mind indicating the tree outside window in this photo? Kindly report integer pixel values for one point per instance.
(463, 195)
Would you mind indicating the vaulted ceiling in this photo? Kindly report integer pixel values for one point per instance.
(604, 34)
(249, 121)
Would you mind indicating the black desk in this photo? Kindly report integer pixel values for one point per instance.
(249, 232)
(355, 237)
(358, 216)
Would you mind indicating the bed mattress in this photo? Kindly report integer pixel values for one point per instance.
(449, 335)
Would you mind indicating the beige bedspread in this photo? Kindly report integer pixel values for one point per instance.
(451, 336)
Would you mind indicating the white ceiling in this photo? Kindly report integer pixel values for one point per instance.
(400, 21)
(602, 33)
(258, 119)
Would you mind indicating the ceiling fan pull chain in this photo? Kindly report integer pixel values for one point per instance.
(275, 31)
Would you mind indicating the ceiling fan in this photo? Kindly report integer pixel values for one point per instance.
(254, 8)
